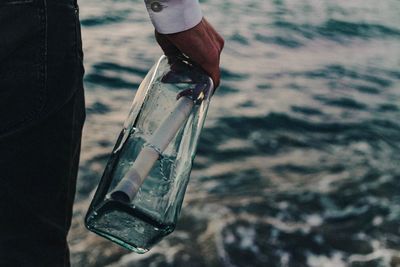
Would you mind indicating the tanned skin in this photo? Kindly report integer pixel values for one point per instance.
(202, 44)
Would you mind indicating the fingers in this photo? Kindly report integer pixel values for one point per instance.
(202, 44)
(184, 93)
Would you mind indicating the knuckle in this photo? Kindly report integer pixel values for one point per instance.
(220, 40)
(222, 43)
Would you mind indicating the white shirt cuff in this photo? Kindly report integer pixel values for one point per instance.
(172, 16)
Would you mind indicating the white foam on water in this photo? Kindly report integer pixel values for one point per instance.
(285, 259)
(247, 238)
(314, 220)
(378, 220)
(229, 238)
(164, 248)
(379, 252)
(336, 260)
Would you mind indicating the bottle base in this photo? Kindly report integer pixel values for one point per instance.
(127, 226)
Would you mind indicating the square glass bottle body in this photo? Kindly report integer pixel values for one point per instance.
(143, 220)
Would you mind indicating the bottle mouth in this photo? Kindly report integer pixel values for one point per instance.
(196, 94)
(120, 196)
(182, 70)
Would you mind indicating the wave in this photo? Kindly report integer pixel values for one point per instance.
(278, 132)
(334, 29)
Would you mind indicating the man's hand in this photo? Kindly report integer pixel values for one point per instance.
(202, 44)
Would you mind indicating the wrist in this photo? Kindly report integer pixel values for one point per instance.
(172, 16)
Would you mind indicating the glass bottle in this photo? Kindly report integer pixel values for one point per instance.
(140, 195)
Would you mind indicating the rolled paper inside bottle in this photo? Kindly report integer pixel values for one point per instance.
(131, 184)
(128, 187)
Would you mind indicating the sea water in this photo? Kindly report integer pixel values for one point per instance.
(298, 163)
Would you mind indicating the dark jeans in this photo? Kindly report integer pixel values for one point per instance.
(41, 118)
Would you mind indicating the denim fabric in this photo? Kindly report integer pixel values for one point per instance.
(41, 118)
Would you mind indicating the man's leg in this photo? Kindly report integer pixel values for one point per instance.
(36, 203)
(41, 118)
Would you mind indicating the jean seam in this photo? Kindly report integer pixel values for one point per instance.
(78, 42)
(16, 2)
(41, 74)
